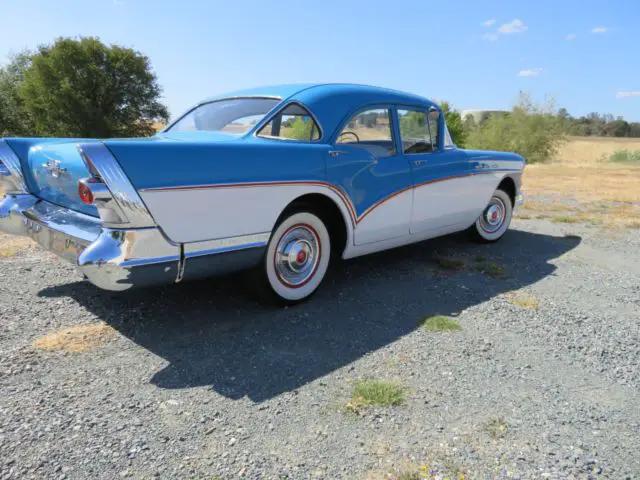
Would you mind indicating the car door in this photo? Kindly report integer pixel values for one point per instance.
(367, 165)
(446, 190)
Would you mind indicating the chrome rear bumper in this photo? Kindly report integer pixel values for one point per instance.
(111, 259)
(120, 259)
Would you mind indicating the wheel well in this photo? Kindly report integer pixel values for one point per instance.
(509, 186)
(328, 212)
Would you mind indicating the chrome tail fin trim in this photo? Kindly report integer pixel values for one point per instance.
(99, 158)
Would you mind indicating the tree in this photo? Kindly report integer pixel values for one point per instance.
(454, 124)
(85, 88)
(13, 120)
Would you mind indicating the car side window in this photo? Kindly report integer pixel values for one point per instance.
(292, 123)
(418, 130)
(371, 131)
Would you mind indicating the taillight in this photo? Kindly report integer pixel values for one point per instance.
(85, 193)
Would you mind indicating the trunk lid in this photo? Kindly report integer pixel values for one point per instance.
(55, 170)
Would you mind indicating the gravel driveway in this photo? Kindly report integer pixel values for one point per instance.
(202, 382)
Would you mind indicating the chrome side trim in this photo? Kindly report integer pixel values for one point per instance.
(116, 180)
(223, 245)
(11, 177)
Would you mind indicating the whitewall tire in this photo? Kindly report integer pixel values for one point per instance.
(297, 258)
(494, 220)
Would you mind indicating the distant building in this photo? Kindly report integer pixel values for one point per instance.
(481, 115)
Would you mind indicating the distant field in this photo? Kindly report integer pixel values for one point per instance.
(593, 149)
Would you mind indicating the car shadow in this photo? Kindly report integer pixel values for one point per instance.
(213, 333)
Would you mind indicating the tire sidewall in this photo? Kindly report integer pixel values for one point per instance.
(286, 293)
(497, 235)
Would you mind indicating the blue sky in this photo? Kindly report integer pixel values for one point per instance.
(474, 53)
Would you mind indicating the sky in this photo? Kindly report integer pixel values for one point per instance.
(476, 54)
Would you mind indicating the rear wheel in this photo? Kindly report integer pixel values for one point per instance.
(296, 259)
(494, 221)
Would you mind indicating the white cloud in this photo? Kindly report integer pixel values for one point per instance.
(514, 26)
(628, 94)
(488, 23)
(571, 36)
(532, 72)
(599, 30)
(490, 37)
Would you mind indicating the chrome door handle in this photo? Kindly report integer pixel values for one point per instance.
(418, 163)
(335, 153)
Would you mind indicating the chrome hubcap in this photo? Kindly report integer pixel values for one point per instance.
(493, 216)
(297, 256)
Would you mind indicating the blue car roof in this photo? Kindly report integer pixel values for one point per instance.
(331, 102)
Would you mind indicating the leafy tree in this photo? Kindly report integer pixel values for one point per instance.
(413, 125)
(530, 130)
(455, 124)
(299, 129)
(13, 120)
(88, 89)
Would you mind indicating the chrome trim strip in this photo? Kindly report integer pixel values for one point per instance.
(215, 251)
(116, 180)
(223, 245)
(14, 181)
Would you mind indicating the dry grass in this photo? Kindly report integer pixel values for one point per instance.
(525, 301)
(80, 338)
(602, 193)
(589, 150)
(11, 245)
(497, 428)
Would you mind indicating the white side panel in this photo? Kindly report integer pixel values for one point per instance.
(359, 250)
(388, 219)
(192, 215)
(454, 202)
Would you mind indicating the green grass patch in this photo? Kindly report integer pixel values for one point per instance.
(367, 393)
(493, 269)
(440, 323)
(625, 156)
(450, 263)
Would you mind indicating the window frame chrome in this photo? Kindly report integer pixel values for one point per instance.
(277, 111)
(390, 107)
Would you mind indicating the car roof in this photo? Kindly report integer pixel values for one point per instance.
(332, 102)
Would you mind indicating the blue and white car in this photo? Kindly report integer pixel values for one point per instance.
(276, 179)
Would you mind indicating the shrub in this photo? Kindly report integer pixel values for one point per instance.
(625, 156)
(533, 131)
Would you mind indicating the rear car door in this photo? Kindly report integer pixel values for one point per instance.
(366, 164)
(446, 192)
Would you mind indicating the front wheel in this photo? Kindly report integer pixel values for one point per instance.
(494, 221)
(296, 259)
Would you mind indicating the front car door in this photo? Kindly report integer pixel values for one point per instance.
(446, 190)
(365, 162)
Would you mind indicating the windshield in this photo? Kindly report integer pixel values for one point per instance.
(235, 116)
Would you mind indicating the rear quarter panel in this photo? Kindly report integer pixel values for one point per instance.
(198, 191)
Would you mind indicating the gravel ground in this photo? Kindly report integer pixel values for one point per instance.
(202, 382)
